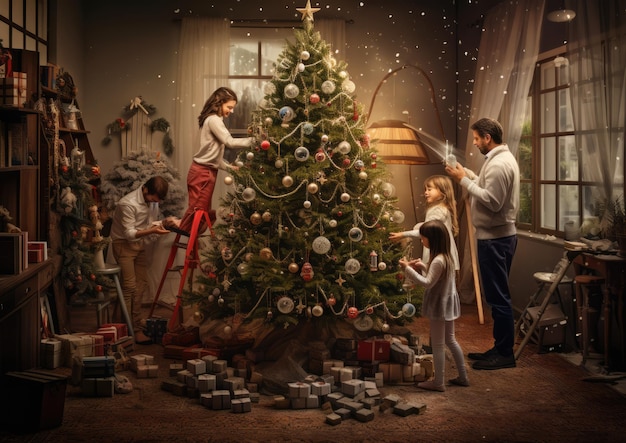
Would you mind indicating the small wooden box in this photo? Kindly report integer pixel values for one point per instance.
(32, 400)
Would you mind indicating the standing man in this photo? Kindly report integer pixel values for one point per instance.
(494, 198)
(132, 226)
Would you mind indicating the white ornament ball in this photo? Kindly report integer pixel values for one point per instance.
(228, 180)
(304, 55)
(321, 245)
(345, 197)
(355, 234)
(248, 194)
(300, 67)
(348, 86)
(332, 223)
(388, 189)
(324, 138)
(242, 268)
(287, 181)
(352, 266)
(398, 216)
(385, 327)
(382, 266)
(363, 175)
(317, 311)
(344, 147)
(268, 121)
(408, 310)
(269, 88)
(376, 198)
(306, 204)
(291, 90)
(286, 113)
(250, 155)
(328, 87)
(308, 128)
(239, 163)
(343, 74)
(216, 292)
(301, 153)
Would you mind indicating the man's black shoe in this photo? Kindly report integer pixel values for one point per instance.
(483, 355)
(495, 362)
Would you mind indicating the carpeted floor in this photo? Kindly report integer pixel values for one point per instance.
(543, 399)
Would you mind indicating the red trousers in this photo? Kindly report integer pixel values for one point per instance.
(200, 187)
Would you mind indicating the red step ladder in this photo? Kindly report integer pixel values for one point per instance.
(192, 260)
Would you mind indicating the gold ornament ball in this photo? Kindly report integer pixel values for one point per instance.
(293, 268)
(385, 327)
(228, 180)
(265, 253)
(312, 188)
(227, 330)
(267, 216)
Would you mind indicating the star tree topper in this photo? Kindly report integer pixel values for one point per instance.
(307, 12)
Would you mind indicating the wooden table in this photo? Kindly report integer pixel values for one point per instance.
(613, 269)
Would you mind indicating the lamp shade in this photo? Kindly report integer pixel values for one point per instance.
(398, 143)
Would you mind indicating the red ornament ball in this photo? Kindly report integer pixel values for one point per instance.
(353, 312)
(346, 162)
(93, 277)
(314, 98)
(64, 168)
(99, 288)
(265, 145)
(369, 310)
(374, 156)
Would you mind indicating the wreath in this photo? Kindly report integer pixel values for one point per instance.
(122, 124)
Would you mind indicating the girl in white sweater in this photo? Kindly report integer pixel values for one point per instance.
(441, 303)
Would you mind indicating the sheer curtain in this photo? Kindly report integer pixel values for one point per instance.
(598, 92)
(333, 31)
(203, 67)
(507, 55)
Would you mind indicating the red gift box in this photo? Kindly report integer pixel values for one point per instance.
(122, 329)
(373, 350)
(109, 334)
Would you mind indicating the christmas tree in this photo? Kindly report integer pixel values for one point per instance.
(303, 233)
(80, 238)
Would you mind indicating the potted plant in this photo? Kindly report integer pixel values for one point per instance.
(615, 227)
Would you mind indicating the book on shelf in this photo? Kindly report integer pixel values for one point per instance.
(37, 251)
(13, 252)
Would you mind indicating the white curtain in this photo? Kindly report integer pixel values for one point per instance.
(597, 56)
(203, 67)
(507, 55)
(333, 31)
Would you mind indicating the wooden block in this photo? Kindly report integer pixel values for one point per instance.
(364, 415)
(333, 419)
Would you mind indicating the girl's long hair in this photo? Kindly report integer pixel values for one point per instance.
(214, 103)
(444, 185)
(438, 241)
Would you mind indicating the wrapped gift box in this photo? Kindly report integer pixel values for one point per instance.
(50, 353)
(156, 328)
(299, 390)
(196, 366)
(75, 345)
(122, 329)
(109, 333)
(402, 354)
(98, 387)
(98, 367)
(32, 400)
(373, 350)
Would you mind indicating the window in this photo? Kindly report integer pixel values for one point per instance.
(253, 53)
(556, 187)
(24, 25)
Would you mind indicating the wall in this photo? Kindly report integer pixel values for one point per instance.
(118, 49)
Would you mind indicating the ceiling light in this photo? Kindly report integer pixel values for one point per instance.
(561, 15)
